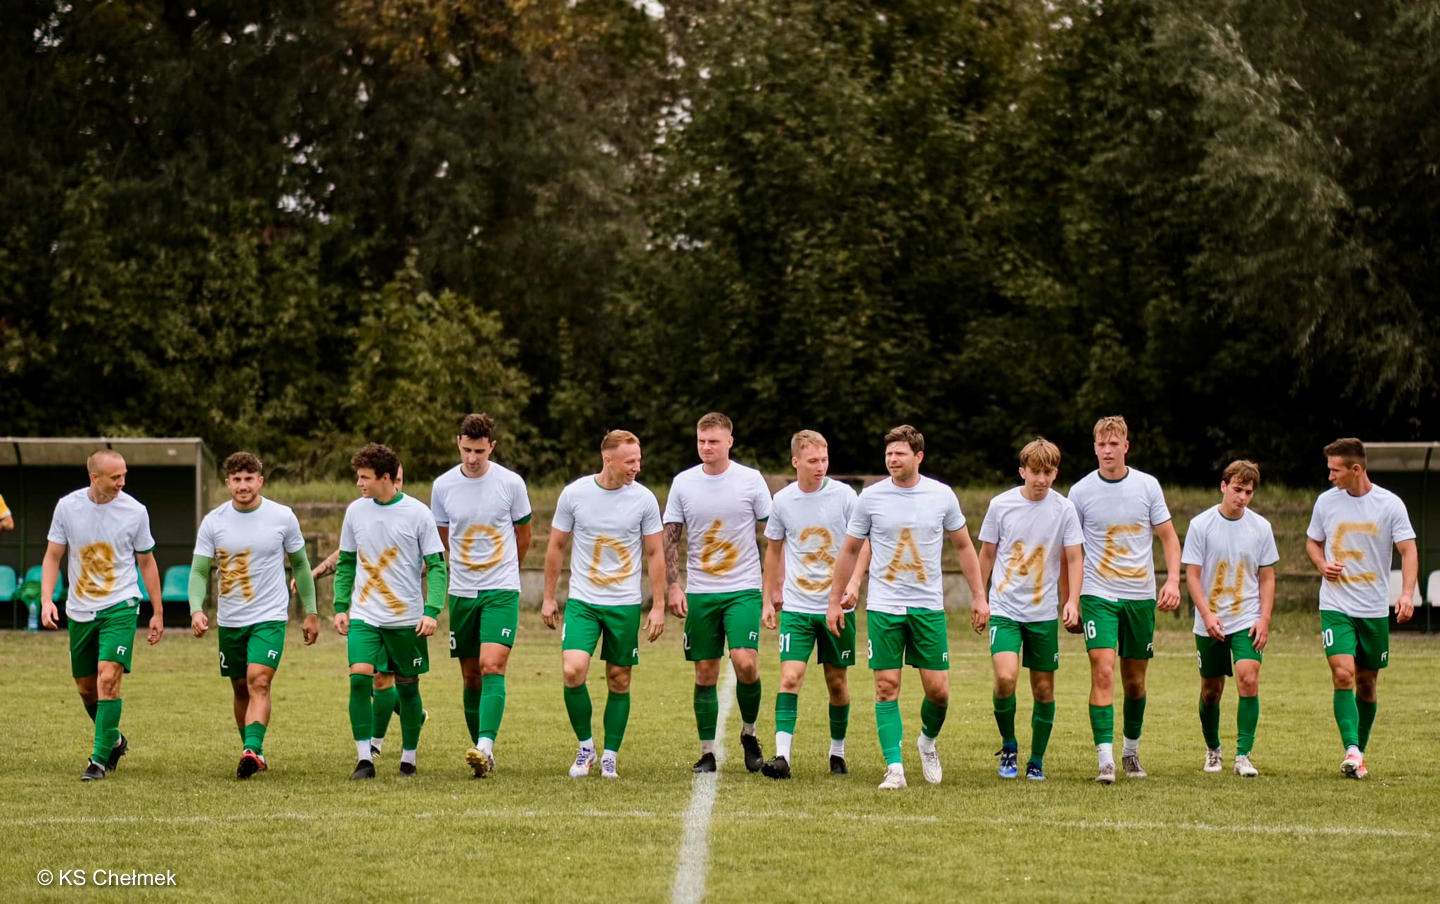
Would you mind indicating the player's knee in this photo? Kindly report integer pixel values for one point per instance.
(1043, 691)
(1210, 694)
(790, 684)
(1343, 677)
(887, 689)
(747, 670)
(1249, 685)
(618, 682)
(496, 667)
(574, 674)
(258, 684)
(1004, 685)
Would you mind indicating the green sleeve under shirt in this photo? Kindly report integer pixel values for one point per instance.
(199, 582)
(344, 581)
(304, 581)
(437, 579)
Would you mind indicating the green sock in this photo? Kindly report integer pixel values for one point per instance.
(839, 721)
(1249, 718)
(932, 717)
(412, 712)
(1347, 717)
(1366, 709)
(470, 702)
(1134, 717)
(786, 706)
(1210, 723)
(707, 710)
(1102, 724)
(617, 714)
(382, 710)
(578, 707)
(360, 718)
(748, 698)
(890, 729)
(1005, 718)
(492, 705)
(107, 729)
(1042, 721)
(255, 737)
(90, 709)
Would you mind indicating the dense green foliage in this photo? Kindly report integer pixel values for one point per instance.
(298, 225)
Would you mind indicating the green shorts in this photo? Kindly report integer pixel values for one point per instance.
(399, 650)
(1040, 641)
(802, 632)
(916, 638)
(491, 616)
(616, 628)
(261, 644)
(1213, 656)
(1124, 625)
(715, 618)
(109, 638)
(1367, 639)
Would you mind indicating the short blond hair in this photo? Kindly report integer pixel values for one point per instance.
(92, 464)
(712, 420)
(1040, 455)
(617, 438)
(1113, 424)
(1241, 471)
(806, 438)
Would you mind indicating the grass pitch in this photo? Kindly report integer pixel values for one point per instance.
(302, 832)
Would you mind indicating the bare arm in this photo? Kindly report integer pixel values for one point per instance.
(1315, 550)
(1202, 600)
(857, 577)
(523, 535)
(987, 562)
(970, 567)
(555, 550)
(844, 567)
(655, 556)
(1072, 578)
(151, 576)
(1170, 545)
(1409, 574)
(672, 569)
(49, 574)
(444, 530)
(774, 582)
(1260, 631)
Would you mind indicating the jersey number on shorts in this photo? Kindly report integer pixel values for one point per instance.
(785, 642)
(1090, 629)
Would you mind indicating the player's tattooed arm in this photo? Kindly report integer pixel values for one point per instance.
(672, 569)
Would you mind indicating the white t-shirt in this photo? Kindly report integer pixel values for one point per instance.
(1230, 555)
(481, 514)
(812, 525)
(608, 530)
(249, 549)
(719, 512)
(102, 541)
(906, 528)
(1118, 518)
(1359, 531)
(390, 543)
(1030, 540)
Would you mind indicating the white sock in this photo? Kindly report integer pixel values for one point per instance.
(407, 756)
(707, 747)
(588, 744)
(1131, 747)
(1106, 753)
(896, 767)
(610, 755)
(486, 745)
(925, 742)
(837, 748)
(377, 743)
(782, 743)
(362, 749)
(1352, 749)
(747, 728)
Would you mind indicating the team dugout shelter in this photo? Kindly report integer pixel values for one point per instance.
(171, 476)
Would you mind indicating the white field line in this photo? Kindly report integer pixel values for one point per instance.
(694, 858)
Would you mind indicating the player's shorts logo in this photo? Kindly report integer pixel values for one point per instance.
(121, 650)
(1385, 656)
(945, 657)
(1057, 658)
(844, 654)
(635, 653)
(1150, 647)
(417, 661)
(754, 635)
(274, 654)
(504, 632)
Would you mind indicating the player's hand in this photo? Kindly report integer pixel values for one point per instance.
(677, 601)
(550, 612)
(293, 588)
(199, 624)
(157, 629)
(1170, 595)
(767, 616)
(50, 615)
(980, 614)
(1260, 635)
(1070, 617)
(655, 621)
(850, 597)
(425, 627)
(835, 618)
(342, 623)
(1332, 571)
(310, 629)
(1214, 628)
(1404, 607)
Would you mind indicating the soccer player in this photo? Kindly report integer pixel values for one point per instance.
(1231, 551)
(108, 534)
(391, 562)
(1351, 531)
(1032, 534)
(907, 519)
(1120, 510)
(613, 521)
(806, 527)
(483, 513)
(718, 503)
(250, 537)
